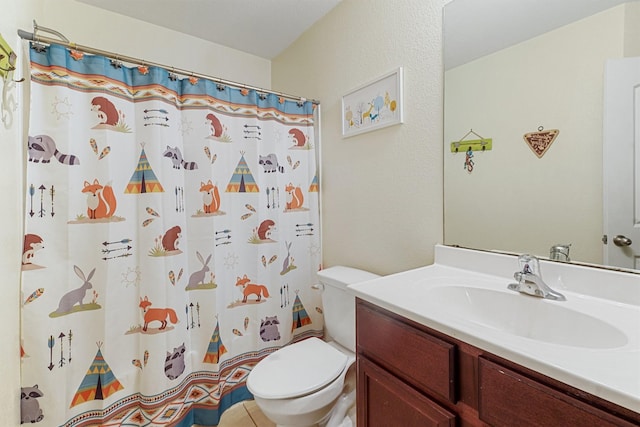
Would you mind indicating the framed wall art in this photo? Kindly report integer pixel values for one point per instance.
(374, 105)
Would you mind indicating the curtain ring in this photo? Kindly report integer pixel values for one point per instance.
(115, 63)
(172, 74)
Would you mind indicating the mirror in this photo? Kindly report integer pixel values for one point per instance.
(518, 68)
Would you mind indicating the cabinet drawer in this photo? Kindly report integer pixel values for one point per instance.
(422, 360)
(508, 398)
(388, 401)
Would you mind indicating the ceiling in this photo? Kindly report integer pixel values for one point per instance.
(260, 27)
(265, 28)
(477, 28)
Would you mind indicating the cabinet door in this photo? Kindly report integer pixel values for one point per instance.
(417, 357)
(508, 398)
(384, 401)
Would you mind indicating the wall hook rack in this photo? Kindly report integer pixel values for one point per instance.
(7, 61)
(8, 103)
(481, 144)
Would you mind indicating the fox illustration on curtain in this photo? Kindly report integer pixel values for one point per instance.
(173, 266)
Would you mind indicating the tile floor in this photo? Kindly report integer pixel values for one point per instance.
(244, 414)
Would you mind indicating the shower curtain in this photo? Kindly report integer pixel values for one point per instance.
(171, 241)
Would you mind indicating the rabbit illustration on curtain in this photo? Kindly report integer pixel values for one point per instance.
(168, 216)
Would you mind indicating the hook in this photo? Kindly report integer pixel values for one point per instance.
(10, 55)
(11, 60)
(38, 47)
(116, 63)
(9, 66)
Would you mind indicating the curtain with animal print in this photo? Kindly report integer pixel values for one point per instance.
(171, 241)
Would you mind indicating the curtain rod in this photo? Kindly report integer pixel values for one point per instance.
(123, 58)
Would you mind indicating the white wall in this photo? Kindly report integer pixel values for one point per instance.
(10, 244)
(97, 28)
(513, 200)
(632, 29)
(382, 190)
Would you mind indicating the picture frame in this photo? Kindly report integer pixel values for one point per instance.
(374, 105)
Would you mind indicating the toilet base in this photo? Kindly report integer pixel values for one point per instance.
(285, 416)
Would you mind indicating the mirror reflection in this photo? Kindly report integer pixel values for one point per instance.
(528, 92)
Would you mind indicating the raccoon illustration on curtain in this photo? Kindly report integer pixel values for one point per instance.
(146, 202)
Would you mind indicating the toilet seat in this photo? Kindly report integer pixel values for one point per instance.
(296, 370)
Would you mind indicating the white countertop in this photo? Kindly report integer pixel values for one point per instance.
(611, 372)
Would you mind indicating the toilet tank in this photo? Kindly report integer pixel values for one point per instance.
(339, 306)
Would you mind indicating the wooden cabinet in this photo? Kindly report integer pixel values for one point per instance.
(410, 375)
(509, 398)
(391, 402)
(417, 357)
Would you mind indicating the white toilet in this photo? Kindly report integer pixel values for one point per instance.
(299, 384)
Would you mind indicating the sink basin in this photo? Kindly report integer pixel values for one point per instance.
(526, 316)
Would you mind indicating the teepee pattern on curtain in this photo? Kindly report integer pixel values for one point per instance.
(174, 223)
(99, 382)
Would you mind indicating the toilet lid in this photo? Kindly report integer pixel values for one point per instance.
(296, 370)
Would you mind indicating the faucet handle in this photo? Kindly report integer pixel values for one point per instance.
(530, 280)
(560, 252)
(529, 264)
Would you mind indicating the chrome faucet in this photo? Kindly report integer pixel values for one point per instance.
(560, 252)
(530, 280)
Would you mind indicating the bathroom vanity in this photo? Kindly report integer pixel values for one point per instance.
(450, 345)
(411, 375)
